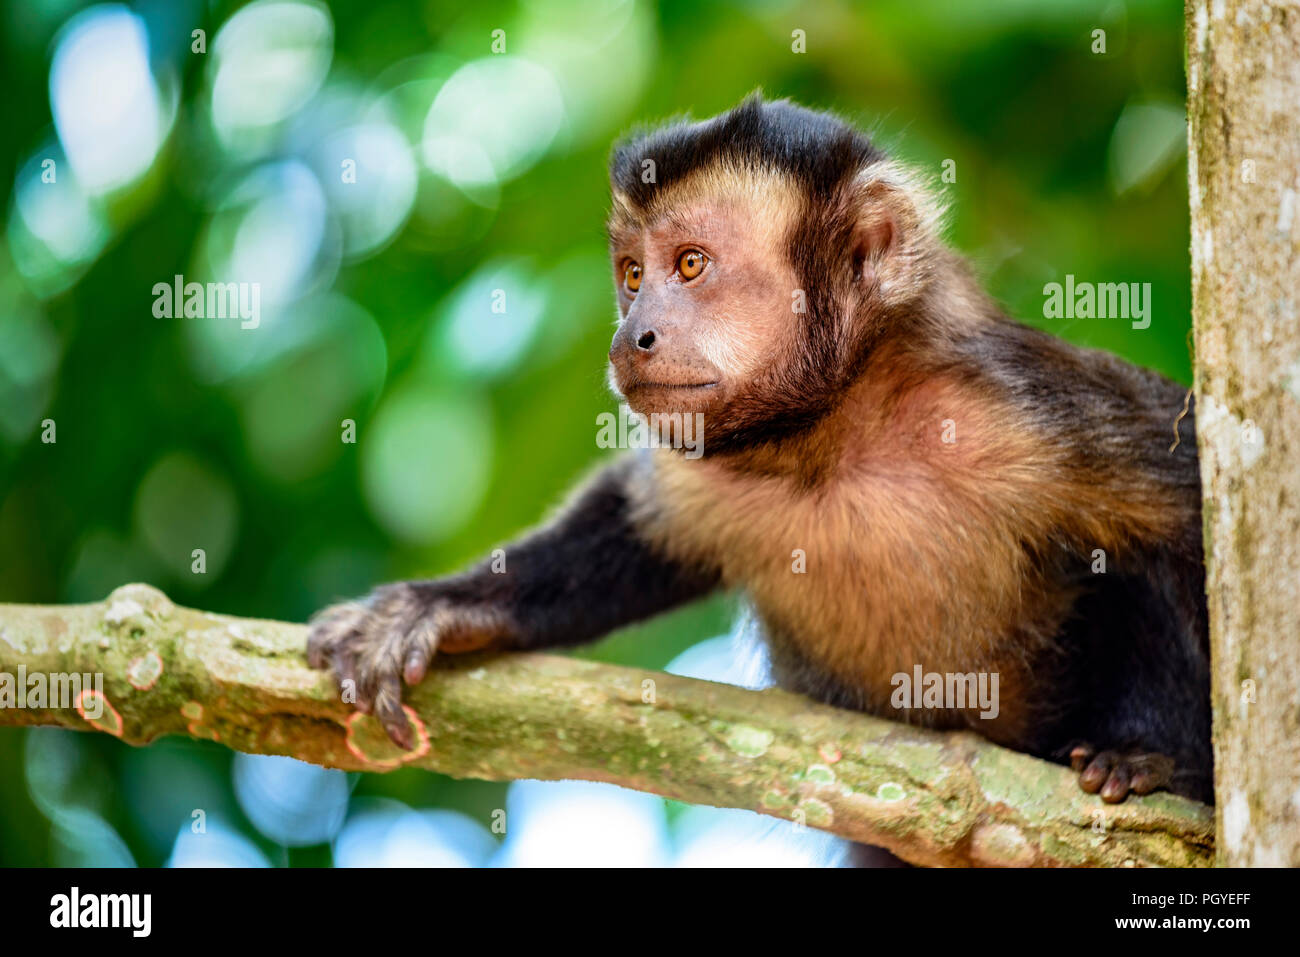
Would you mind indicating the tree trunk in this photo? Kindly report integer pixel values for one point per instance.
(1243, 73)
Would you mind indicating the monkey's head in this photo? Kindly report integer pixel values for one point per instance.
(758, 257)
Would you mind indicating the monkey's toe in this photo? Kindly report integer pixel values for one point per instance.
(1116, 774)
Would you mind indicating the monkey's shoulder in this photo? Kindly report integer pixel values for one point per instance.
(1062, 384)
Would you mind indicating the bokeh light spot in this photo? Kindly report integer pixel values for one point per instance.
(492, 120)
(267, 61)
(425, 461)
(371, 182)
(105, 103)
(181, 505)
(1147, 140)
(490, 321)
(381, 832)
(293, 803)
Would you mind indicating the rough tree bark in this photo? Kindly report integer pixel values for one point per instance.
(1243, 72)
(936, 799)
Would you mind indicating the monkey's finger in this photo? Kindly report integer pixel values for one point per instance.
(388, 709)
(1145, 781)
(365, 702)
(345, 671)
(1096, 773)
(322, 643)
(416, 667)
(421, 651)
(317, 657)
(1080, 756)
(1116, 787)
(330, 629)
(1151, 771)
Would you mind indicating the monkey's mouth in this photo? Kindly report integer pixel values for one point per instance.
(665, 386)
(648, 397)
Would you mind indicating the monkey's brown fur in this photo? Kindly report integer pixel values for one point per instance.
(948, 476)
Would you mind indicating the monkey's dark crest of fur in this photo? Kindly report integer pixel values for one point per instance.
(823, 433)
(818, 150)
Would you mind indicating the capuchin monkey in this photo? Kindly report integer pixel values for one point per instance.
(968, 494)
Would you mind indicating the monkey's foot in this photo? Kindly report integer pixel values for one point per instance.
(1115, 773)
(372, 644)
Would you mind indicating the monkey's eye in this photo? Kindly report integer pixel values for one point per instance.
(691, 263)
(632, 277)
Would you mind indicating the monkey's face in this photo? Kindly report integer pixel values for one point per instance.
(748, 298)
(705, 295)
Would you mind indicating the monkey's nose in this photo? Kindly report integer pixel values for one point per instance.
(647, 341)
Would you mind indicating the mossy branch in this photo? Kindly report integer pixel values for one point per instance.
(931, 798)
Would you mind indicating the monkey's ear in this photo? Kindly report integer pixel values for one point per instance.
(886, 231)
(873, 236)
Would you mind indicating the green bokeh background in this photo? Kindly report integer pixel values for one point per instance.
(1067, 161)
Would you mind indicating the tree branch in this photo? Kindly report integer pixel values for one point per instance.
(931, 798)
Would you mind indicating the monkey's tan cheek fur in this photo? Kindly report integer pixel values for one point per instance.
(735, 348)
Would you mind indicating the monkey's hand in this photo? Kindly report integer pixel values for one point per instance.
(1115, 773)
(373, 644)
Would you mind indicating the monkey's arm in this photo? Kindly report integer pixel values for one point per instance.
(586, 573)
